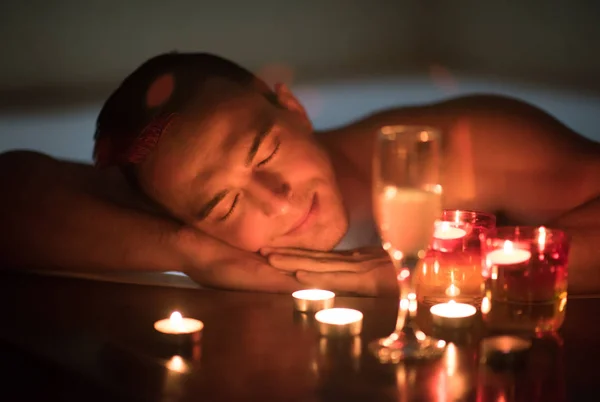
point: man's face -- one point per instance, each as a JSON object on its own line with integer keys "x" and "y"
{"x": 248, "y": 172}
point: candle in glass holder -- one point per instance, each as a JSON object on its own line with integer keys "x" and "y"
{"x": 453, "y": 314}
{"x": 339, "y": 322}
{"x": 447, "y": 231}
{"x": 447, "y": 235}
{"x": 313, "y": 299}
{"x": 525, "y": 273}
{"x": 508, "y": 255}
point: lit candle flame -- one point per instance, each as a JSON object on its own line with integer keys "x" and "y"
{"x": 542, "y": 237}
{"x": 452, "y": 290}
{"x": 508, "y": 247}
{"x": 176, "y": 319}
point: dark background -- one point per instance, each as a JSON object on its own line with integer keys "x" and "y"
{"x": 61, "y": 58}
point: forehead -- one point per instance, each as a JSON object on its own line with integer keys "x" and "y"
{"x": 223, "y": 116}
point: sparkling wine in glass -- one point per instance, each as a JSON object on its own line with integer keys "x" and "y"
{"x": 406, "y": 203}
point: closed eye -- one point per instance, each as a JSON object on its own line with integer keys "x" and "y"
{"x": 270, "y": 157}
{"x": 233, "y": 205}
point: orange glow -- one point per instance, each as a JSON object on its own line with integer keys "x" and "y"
{"x": 452, "y": 290}
{"x": 177, "y": 364}
{"x": 541, "y": 239}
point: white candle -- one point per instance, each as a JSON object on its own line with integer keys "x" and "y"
{"x": 446, "y": 231}
{"x": 453, "y": 309}
{"x": 508, "y": 255}
{"x": 313, "y": 294}
{"x": 313, "y": 299}
{"x": 339, "y": 316}
{"x": 339, "y": 321}
{"x": 177, "y": 324}
{"x": 452, "y": 314}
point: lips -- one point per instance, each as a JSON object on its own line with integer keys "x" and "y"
{"x": 306, "y": 218}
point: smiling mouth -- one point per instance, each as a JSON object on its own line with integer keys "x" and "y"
{"x": 305, "y": 220}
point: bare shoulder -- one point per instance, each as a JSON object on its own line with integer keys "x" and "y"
{"x": 500, "y": 154}
{"x": 483, "y": 110}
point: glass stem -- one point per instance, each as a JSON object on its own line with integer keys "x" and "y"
{"x": 407, "y": 307}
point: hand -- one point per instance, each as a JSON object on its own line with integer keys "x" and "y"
{"x": 213, "y": 263}
{"x": 366, "y": 271}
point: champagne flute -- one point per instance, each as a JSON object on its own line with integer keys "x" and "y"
{"x": 406, "y": 203}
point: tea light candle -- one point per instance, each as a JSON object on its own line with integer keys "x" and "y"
{"x": 508, "y": 255}
{"x": 176, "y": 324}
{"x": 445, "y": 231}
{"x": 313, "y": 299}
{"x": 452, "y": 314}
{"x": 179, "y": 330}
{"x": 339, "y": 322}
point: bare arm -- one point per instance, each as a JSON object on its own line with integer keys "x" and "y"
{"x": 68, "y": 216}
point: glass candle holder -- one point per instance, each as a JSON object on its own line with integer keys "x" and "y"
{"x": 452, "y": 269}
{"x": 525, "y": 273}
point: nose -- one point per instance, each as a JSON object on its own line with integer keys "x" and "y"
{"x": 271, "y": 193}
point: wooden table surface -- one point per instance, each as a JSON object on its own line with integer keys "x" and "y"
{"x": 82, "y": 340}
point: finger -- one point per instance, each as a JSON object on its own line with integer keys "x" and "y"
{"x": 296, "y": 263}
{"x": 252, "y": 276}
{"x": 299, "y": 252}
{"x": 361, "y": 254}
{"x": 337, "y": 282}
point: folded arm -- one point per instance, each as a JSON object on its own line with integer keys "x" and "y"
{"x": 67, "y": 216}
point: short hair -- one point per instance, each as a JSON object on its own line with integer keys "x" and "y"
{"x": 127, "y": 129}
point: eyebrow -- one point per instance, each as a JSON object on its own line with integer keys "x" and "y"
{"x": 258, "y": 139}
{"x": 256, "y": 142}
{"x": 210, "y": 205}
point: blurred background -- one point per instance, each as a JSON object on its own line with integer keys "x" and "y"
{"x": 343, "y": 58}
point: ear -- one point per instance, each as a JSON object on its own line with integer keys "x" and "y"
{"x": 287, "y": 99}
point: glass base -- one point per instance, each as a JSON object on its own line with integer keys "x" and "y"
{"x": 407, "y": 344}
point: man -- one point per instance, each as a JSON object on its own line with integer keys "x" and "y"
{"x": 206, "y": 170}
